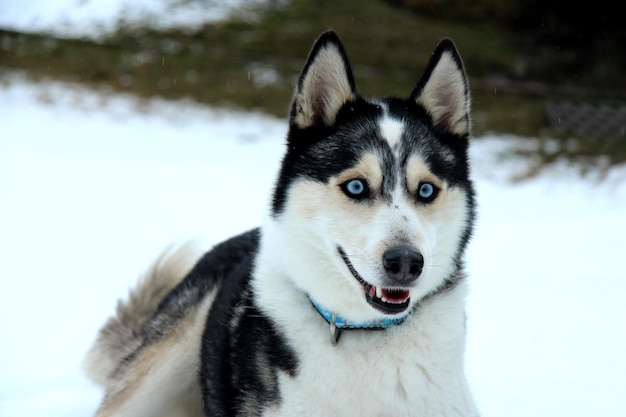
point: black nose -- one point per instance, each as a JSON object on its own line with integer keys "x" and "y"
{"x": 403, "y": 264}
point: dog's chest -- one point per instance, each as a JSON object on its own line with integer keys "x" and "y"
{"x": 357, "y": 378}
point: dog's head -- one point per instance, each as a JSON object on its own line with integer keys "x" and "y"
{"x": 373, "y": 205}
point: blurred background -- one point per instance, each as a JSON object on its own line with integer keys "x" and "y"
{"x": 551, "y": 70}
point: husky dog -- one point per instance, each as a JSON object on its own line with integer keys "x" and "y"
{"x": 349, "y": 300}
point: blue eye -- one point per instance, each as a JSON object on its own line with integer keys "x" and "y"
{"x": 427, "y": 192}
{"x": 356, "y": 188}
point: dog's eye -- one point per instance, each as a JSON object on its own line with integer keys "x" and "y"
{"x": 356, "y": 188}
{"x": 427, "y": 192}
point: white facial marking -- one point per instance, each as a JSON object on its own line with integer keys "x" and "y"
{"x": 391, "y": 130}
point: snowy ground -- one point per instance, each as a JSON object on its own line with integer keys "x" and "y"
{"x": 91, "y": 188}
{"x": 95, "y": 18}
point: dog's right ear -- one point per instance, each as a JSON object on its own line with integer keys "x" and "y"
{"x": 325, "y": 85}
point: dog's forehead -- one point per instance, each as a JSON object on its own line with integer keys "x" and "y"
{"x": 391, "y": 138}
{"x": 391, "y": 130}
{"x": 402, "y": 127}
{"x": 399, "y": 155}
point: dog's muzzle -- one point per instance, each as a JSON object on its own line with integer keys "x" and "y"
{"x": 403, "y": 266}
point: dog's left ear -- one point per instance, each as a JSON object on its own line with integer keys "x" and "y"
{"x": 325, "y": 85}
{"x": 444, "y": 92}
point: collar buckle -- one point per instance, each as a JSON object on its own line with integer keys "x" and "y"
{"x": 335, "y": 333}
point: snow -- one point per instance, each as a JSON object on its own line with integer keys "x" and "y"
{"x": 91, "y": 189}
{"x": 94, "y": 186}
{"x": 97, "y": 18}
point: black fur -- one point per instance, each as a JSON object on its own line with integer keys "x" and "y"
{"x": 210, "y": 271}
{"x": 242, "y": 351}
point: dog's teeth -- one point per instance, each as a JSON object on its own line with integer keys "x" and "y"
{"x": 379, "y": 292}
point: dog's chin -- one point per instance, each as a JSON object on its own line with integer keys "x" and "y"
{"x": 385, "y": 300}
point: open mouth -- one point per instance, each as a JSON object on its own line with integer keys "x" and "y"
{"x": 387, "y": 300}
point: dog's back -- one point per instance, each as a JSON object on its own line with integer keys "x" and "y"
{"x": 147, "y": 357}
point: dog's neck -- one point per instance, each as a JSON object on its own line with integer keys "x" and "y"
{"x": 338, "y": 323}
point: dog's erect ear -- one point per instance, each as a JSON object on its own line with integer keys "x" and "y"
{"x": 326, "y": 84}
{"x": 444, "y": 92}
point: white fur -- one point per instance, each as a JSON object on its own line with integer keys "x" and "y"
{"x": 391, "y": 130}
{"x": 414, "y": 369}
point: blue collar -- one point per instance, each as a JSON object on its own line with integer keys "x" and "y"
{"x": 338, "y": 323}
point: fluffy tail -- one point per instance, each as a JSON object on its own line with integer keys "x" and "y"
{"x": 122, "y": 333}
